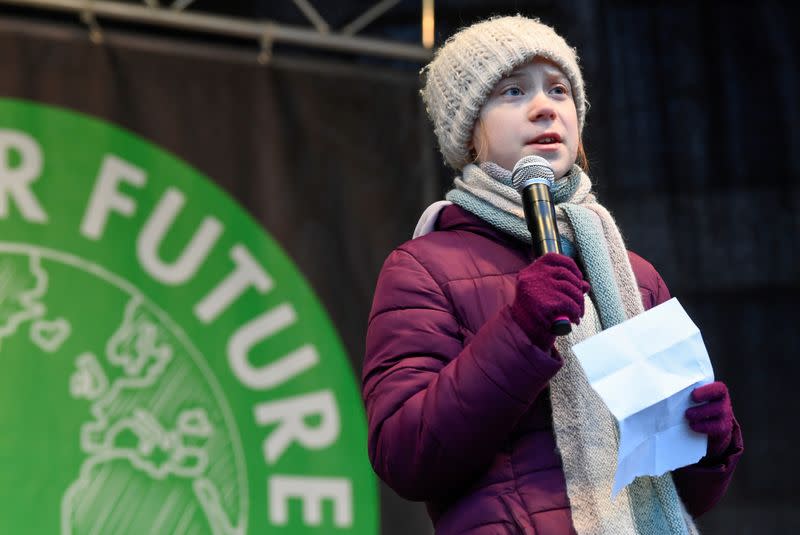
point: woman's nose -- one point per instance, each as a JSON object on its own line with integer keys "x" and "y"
{"x": 541, "y": 108}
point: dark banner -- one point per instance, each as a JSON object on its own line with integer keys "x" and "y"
{"x": 186, "y": 243}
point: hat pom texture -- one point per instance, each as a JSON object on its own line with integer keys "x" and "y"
{"x": 466, "y": 68}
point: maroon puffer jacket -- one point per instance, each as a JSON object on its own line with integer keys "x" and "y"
{"x": 456, "y": 395}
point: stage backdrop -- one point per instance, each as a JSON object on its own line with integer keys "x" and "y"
{"x": 166, "y": 366}
{"x": 130, "y": 267}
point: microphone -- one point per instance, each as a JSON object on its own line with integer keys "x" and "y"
{"x": 533, "y": 177}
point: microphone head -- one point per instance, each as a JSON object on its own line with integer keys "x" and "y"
{"x": 532, "y": 170}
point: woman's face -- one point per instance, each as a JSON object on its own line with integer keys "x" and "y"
{"x": 530, "y": 111}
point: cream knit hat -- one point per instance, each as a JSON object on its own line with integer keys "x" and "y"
{"x": 466, "y": 68}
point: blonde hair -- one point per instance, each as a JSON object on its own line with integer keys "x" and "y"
{"x": 582, "y": 160}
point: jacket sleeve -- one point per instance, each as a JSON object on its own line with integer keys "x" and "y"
{"x": 439, "y": 411}
{"x": 702, "y": 485}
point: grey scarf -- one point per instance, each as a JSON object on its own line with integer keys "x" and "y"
{"x": 586, "y": 432}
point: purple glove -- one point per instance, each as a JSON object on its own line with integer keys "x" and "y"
{"x": 714, "y": 417}
{"x": 551, "y": 287}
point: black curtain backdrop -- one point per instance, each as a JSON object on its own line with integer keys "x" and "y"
{"x": 691, "y": 138}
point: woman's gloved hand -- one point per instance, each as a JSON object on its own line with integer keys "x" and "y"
{"x": 714, "y": 417}
{"x": 549, "y": 288}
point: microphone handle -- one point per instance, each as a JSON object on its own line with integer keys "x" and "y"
{"x": 540, "y": 215}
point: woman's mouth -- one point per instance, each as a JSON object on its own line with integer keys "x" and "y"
{"x": 546, "y": 141}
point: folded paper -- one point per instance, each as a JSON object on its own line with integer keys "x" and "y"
{"x": 645, "y": 369}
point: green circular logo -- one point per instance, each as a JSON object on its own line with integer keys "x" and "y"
{"x": 166, "y": 369}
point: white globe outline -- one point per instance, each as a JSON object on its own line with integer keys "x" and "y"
{"x": 196, "y": 356}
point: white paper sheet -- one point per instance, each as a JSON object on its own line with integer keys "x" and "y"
{"x": 645, "y": 369}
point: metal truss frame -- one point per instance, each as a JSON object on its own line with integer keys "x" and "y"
{"x": 265, "y": 32}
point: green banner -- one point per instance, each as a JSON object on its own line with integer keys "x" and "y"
{"x": 166, "y": 368}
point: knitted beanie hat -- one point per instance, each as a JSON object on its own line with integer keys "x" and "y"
{"x": 466, "y": 68}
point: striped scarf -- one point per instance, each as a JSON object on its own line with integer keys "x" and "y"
{"x": 586, "y": 432}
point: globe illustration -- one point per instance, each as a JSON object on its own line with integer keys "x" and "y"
{"x": 153, "y": 447}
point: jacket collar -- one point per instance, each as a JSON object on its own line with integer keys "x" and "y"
{"x": 453, "y": 217}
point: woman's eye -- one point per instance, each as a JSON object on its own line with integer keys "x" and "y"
{"x": 512, "y": 91}
{"x": 560, "y": 90}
